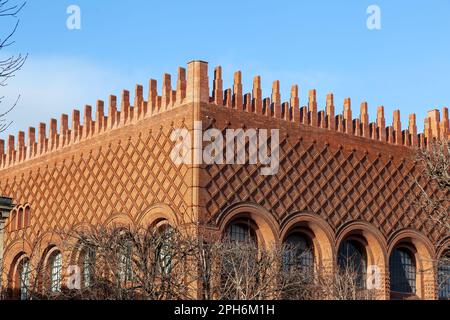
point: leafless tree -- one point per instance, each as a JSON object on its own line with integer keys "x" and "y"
{"x": 9, "y": 65}
{"x": 119, "y": 263}
{"x": 435, "y": 165}
{"x": 127, "y": 263}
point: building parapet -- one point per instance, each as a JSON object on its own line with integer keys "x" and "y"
{"x": 193, "y": 86}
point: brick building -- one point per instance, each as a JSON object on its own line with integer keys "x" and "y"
{"x": 343, "y": 182}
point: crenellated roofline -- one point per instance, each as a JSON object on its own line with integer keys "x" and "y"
{"x": 193, "y": 86}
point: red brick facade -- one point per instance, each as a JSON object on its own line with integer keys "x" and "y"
{"x": 339, "y": 177}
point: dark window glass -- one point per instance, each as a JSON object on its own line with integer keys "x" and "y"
{"x": 352, "y": 259}
{"x": 402, "y": 271}
{"x": 88, "y": 256}
{"x": 444, "y": 278}
{"x": 240, "y": 232}
{"x": 55, "y": 271}
{"x": 166, "y": 249}
{"x": 24, "y": 278}
{"x": 298, "y": 251}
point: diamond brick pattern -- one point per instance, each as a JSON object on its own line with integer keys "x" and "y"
{"x": 338, "y": 184}
{"x": 126, "y": 176}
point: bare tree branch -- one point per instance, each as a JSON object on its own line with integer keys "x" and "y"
{"x": 9, "y": 66}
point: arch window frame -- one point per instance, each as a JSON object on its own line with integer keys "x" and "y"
{"x": 444, "y": 278}
{"x": 354, "y": 245}
{"x": 400, "y": 267}
{"x": 241, "y": 230}
{"x": 55, "y": 268}
{"x": 306, "y": 258}
{"x": 87, "y": 265}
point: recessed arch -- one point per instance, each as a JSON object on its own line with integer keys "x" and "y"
{"x": 424, "y": 257}
{"x": 266, "y": 226}
{"x": 119, "y": 220}
{"x": 155, "y": 214}
{"x": 443, "y": 247}
{"x": 14, "y": 249}
{"x": 52, "y": 267}
{"x": 374, "y": 247}
{"x": 319, "y": 231}
{"x": 443, "y": 271}
{"x": 373, "y": 240}
{"x": 19, "y": 276}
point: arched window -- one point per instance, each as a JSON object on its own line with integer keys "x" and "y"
{"x": 12, "y": 222}
{"x": 352, "y": 261}
{"x": 55, "y": 266}
{"x": 166, "y": 248}
{"x": 87, "y": 265}
{"x": 23, "y": 273}
{"x": 299, "y": 251}
{"x": 27, "y": 217}
{"x": 20, "y": 219}
{"x": 239, "y": 260}
{"x": 402, "y": 269}
{"x": 240, "y": 232}
{"x": 125, "y": 261}
{"x": 444, "y": 277}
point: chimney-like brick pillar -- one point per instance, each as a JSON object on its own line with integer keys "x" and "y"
{"x": 357, "y": 127}
{"x": 138, "y": 101}
{"x": 237, "y": 90}
{"x": 218, "y": 86}
{"x": 364, "y": 117}
{"x": 42, "y": 137}
{"x": 381, "y": 124}
{"x": 348, "y": 119}
{"x": 11, "y": 149}
{"x": 31, "y": 142}
{"x": 390, "y": 134}
{"x": 257, "y": 95}
{"x": 276, "y": 99}
{"x": 321, "y": 118}
{"x": 295, "y": 104}
{"x": 100, "y": 116}
{"x": 397, "y": 125}
{"x": 21, "y": 146}
{"x": 285, "y": 111}
{"x": 87, "y": 121}
{"x": 312, "y": 108}
{"x": 112, "y": 112}
{"x": 75, "y": 126}
{"x": 331, "y": 121}
{"x": 166, "y": 92}
{"x": 181, "y": 85}
{"x": 413, "y": 130}
{"x": 228, "y": 98}
{"x": 2, "y": 151}
{"x": 248, "y": 105}
{"x": 125, "y": 106}
{"x": 53, "y": 134}
{"x": 152, "y": 97}
{"x": 267, "y": 110}
{"x": 197, "y": 82}
{"x": 428, "y": 132}
{"x": 340, "y": 123}
{"x": 445, "y": 124}
{"x": 435, "y": 118}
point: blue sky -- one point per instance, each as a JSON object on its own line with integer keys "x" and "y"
{"x": 321, "y": 44}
